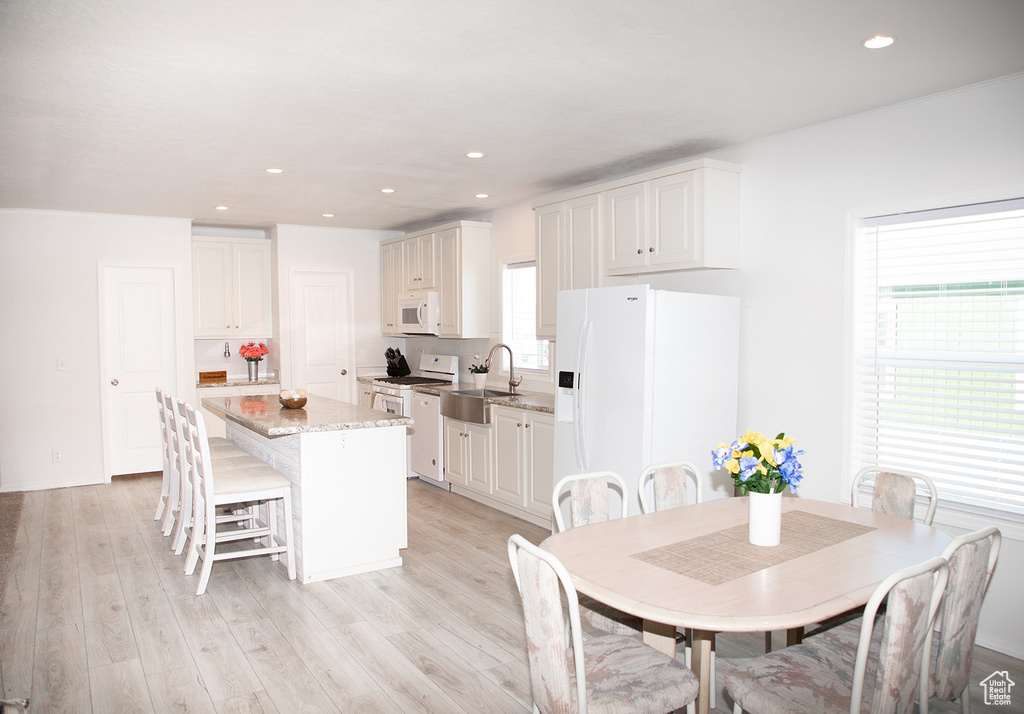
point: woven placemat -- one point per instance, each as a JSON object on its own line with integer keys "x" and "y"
{"x": 719, "y": 557}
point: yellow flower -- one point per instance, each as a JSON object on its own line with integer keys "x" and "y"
{"x": 732, "y": 466}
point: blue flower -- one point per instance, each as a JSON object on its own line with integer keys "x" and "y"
{"x": 720, "y": 455}
{"x": 789, "y": 466}
{"x": 748, "y": 467}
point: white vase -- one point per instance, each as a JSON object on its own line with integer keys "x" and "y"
{"x": 479, "y": 380}
{"x": 765, "y": 514}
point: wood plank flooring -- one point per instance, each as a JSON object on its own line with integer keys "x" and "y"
{"x": 99, "y": 617}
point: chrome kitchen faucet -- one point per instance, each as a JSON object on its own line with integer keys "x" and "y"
{"x": 512, "y": 381}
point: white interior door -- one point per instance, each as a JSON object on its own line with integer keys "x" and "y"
{"x": 139, "y": 354}
{"x": 321, "y": 315}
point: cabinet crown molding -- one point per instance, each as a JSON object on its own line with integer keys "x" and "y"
{"x": 647, "y": 175}
{"x": 437, "y": 229}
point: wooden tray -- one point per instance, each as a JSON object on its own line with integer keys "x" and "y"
{"x": 207, "y": 377}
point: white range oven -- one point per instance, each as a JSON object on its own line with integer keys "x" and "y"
{"x": 396, "y": 396}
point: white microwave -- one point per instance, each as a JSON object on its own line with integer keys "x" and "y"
{"x": 418, "y": 313}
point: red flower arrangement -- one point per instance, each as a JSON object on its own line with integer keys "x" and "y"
{"x": 253, "y": 352}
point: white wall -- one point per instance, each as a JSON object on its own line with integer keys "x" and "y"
{"x": 49, "y": 307}
{"x": 332, "y": 249}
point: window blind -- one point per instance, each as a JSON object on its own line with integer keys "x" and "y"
{"x": 939, "y": 352}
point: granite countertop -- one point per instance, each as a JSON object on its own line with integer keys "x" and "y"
{"x": 530, "y": 401}
{"x": 264, "y": 414}
{"x": 237, "y": 383}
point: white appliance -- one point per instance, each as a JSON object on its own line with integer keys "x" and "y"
{"x": 396, "y": 396}
{"x": 643, "y": 377}
{"x": 419, "y": 313}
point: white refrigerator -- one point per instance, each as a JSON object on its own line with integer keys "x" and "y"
{"x": 643, "y": 377}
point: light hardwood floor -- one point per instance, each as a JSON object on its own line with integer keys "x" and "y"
{"x": 99, "y": 617}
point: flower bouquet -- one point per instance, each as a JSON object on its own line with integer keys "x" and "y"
{"x": 759, "y": 464}
{"x": 253, "y": 352}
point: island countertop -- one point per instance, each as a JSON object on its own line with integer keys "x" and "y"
{"x": 264, "y": 414}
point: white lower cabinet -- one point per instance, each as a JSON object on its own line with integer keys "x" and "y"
{"x": 521, "y": 471}
{"x": 467, "y": 455}
{"x": 214, "y": 421}
{"x": 366, "y": 396}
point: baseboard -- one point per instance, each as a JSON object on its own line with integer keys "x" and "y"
{"x": 1010, "y": 649}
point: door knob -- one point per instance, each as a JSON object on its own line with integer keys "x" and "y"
{"x": 344, "y": 372}
{"x": 114, "y": 382}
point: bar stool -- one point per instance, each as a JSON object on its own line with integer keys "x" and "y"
{"x": 161, "y": 504}
{"x": 230, "y": 486}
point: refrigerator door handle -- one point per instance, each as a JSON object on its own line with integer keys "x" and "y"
{"x": 576, "y": 396}
{"x": 581, "y": 402}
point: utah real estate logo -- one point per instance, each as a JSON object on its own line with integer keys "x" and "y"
{"x": 997, "y": 689}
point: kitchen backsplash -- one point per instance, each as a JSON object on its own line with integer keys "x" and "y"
{"x": 469, "y": 352}
{"x": 210, "y": 358}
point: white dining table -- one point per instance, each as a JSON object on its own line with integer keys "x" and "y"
{"x": 692, "y": 567}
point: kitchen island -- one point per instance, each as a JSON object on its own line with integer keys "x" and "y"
{"x": 347, "y": 465}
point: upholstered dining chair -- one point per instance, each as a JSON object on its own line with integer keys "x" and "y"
{"x": 609, "y": 673}
{"x": 234, "y": 488}
{"x": 670, "y": 486}
{"x": 895, "y": 492}
{"x": 833, "y": 676}
{"x": 589, "y": 503}
{"x": 972, "y": 558}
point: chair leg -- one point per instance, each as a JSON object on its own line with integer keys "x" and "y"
{"x": 737, "y": 709}
{"x": 184, "y": 518}
{"x": 208, "y": 534}
{"x": 193, "y": 548}
{"x": 272, "y": 527}
{"x": 768, "y": 642}
{"x": 161, "y": 503}
{"x": 290, "y": 541}
{"x": 965, "y": 700}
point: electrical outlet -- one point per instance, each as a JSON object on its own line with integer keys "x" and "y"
{"x": 62, "y": 364}
{"x": 57, "y": 456}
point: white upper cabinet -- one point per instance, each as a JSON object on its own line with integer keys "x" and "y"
{"x": 392, "y": 283}
{"x": 680, "y": 221}
{"x": 231, "y": 295}
{"x": 419, "y": 258}
{"x": 568, "y": 254}
{"x": 454, "y": 260}
{"x": 682, "y": 217}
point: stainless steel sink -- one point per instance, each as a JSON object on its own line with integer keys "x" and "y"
{"x": 469, "y": 404}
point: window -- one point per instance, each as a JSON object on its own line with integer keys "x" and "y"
{"x": 519, "y": 318}
{"x": 938, "y": 364}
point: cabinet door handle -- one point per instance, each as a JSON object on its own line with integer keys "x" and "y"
{"x": 344, "y": 372}
{"x": 114, "y": 382}
{"x": 527, "y": 426}
{"x": 519, "y": 423}
{"x": 639, "y": 251}
{"x": 650, "y": 250}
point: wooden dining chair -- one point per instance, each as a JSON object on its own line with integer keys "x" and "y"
{"x": 589, "y": 503}
{"x": 895, "y": 492}
{"x": 603, "y": 674}
{"x": 161, "y": 504}
{"x": 230, "y": 488}
{"x": 972, "y": 558}
{"x": 670, "y": 486}
{"x": 832, "y": 675}
{"x": 224, "y": 455}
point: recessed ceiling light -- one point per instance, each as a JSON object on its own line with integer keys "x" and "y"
{"x": 275, "y": 171}
{"x": 387, "y": 190}
{"x": 221, "y": 208}
{"x": 327, "y": 215}
{"x": 878, "y": 42}
{"x": 481, "y": 195}
{"x": 475, "y": 155}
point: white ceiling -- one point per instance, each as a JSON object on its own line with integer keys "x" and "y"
{"x": 166, "y": 108}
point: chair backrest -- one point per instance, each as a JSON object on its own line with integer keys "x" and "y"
{"x": 972, "y": 558}
{"x": 912, "y": 597}
{"x": 669, "y": 487}
{"x": 174, "y": 447}
{"x": 588, "y": 498}
{"x": 202, "y": 463}
{"x": 541, "y": 578}
{"x": 162, "y": 416}
{"x": 895, "y": 492}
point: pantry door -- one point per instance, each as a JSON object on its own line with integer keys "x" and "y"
{"x": 323, "y": 334}
{"x": 138, "y": 354}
